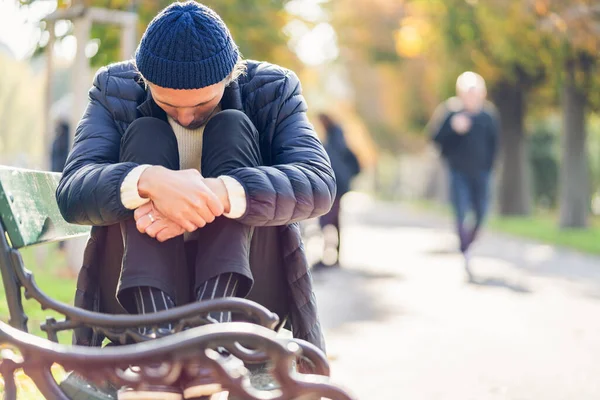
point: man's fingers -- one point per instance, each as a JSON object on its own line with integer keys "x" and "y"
{"x": 213, "y": 203}
{"x": 168, "y": 233}
{"x": 197, "y": 220}
{"x": 143, "y": 223}
{"x": 189, "y": 223}
{"x": 207, "y": 215}
{"x": 156, "y": 227}
{"x": 163, "y": 236}
{"x": 203, "y": 211}
{"x": 142, "y": 210}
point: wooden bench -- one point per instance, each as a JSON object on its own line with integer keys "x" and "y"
{"x": 29, "y": 216}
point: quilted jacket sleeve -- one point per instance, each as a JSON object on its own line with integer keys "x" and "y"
{"x": 300, "y": 184}
{"x": 88, "y": 193}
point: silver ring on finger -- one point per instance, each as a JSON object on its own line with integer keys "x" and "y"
{"x": 151, "y": 217}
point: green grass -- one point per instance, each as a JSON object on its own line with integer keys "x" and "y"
{"x": 48, "y": 265}
{"x": 545, "y": 229}
{"x": 542, "y": 226}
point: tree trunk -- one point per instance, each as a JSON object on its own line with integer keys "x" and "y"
{"x": 80, "y": 83}
{"x": 48, "y": 125}
{"x": 574, "y": 178}
{"x": 514, "y": 196}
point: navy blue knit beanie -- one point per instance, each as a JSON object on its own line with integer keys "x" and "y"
{"x": 186, "y": 46}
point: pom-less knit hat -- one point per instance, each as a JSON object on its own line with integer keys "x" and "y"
{"x": 186, "y": 46}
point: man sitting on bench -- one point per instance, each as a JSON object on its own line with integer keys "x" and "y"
{"x": 186, "y": 151}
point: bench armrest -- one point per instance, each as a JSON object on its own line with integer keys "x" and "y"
{"x": 174, "y": 352}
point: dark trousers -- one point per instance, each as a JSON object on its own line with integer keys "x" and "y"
{"x": 177, "y": 268}
{"x": 469, "y": 192}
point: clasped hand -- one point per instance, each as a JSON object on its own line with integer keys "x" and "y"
{"x": 180, "y": 201}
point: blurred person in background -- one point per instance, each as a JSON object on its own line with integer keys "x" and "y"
{"x": 466, "y": 129}
{"x": 193, "y": 167}
{"x": 60, "y": 151}
{"x": 345, "y": 167}
{"x": 60, "y": 146}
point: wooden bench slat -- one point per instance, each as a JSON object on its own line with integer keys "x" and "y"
{"x": 28, "y": 208}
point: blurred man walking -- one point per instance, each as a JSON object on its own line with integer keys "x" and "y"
{"x": 466, "y": 130}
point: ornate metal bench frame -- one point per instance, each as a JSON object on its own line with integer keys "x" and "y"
{"x": 160, "y": 360}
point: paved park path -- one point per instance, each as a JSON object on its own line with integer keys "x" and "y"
{"x": 402, "y": 322}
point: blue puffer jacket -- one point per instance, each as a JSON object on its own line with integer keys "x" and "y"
{"x": 296, "y": 183}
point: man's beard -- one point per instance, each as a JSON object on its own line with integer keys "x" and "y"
{"x": 195, "y": 124}
{"x": 199, "y": 123}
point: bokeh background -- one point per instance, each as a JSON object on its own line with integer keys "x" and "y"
{"x": 527, "y": 328}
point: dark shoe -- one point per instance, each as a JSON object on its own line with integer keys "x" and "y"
{"x": 319, "y": 266}
{"x": 203, "y": 380}
{"x": 150, "y": 392}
